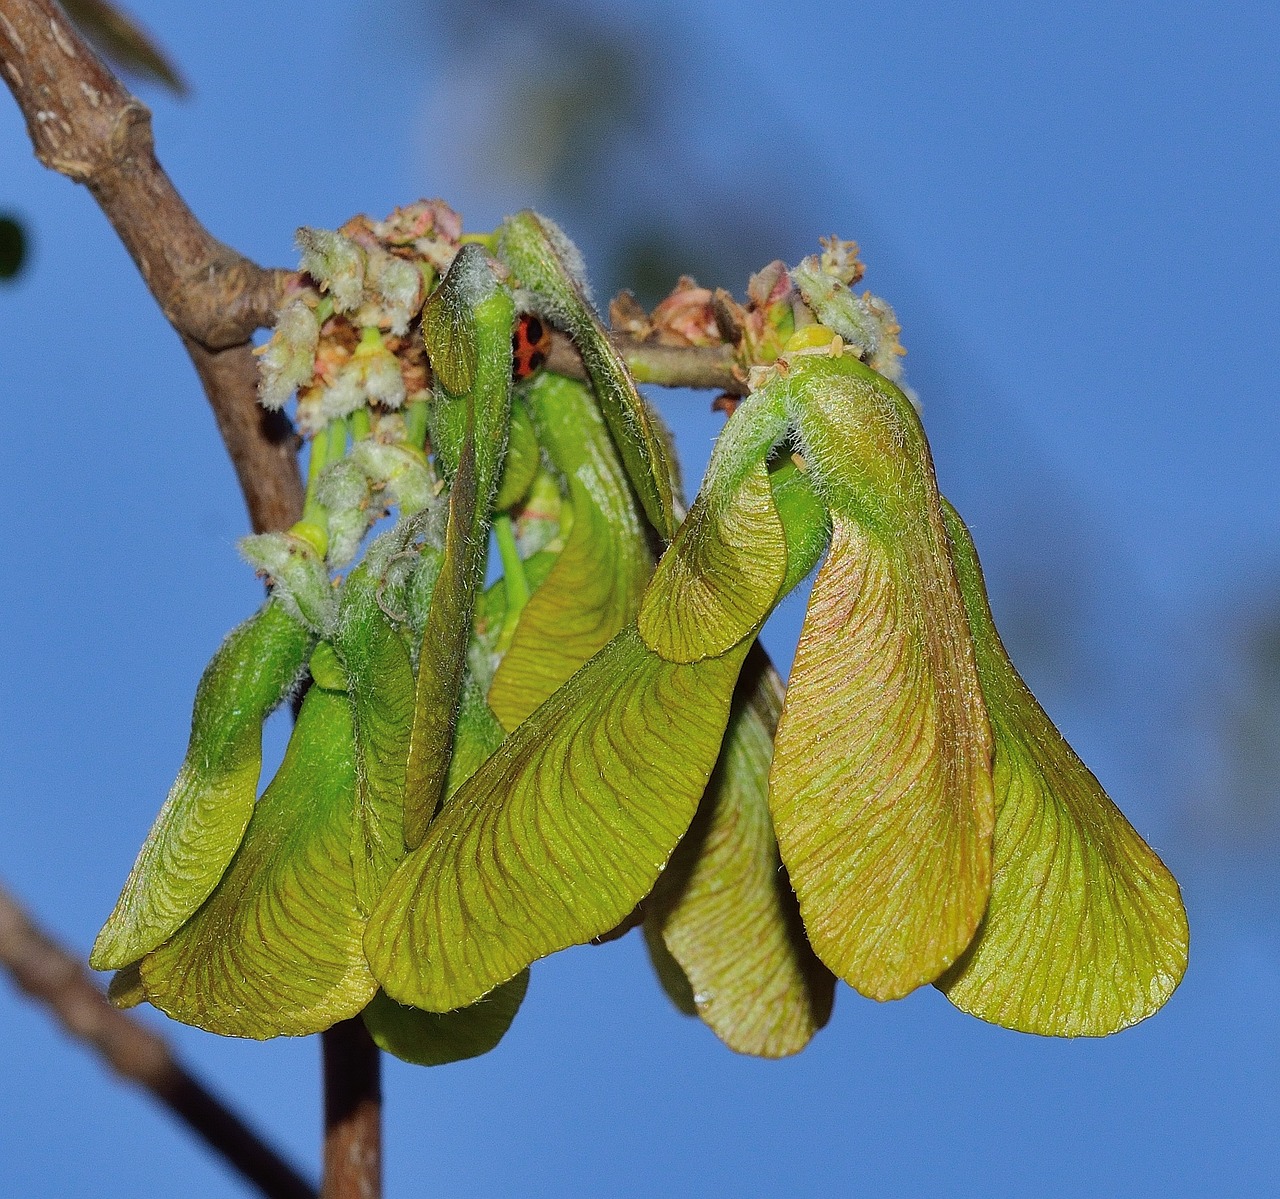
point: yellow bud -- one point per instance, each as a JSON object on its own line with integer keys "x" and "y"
{"x": 808, "y": 337}
{"x": 312, "y": 533}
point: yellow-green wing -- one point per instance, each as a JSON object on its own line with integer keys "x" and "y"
{"x": 1085, "y": 933}
{"x": 594, "y": 588}
{"x": 724, "y": 908}
{"x": 276, "y": 948}
{"x": 561, "y": 832}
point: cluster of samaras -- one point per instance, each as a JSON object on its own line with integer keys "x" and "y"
{"x": 480, "y": 776}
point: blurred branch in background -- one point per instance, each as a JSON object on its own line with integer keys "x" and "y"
{"x": 56, "y": 979}
{"x": 1234, "y": 809}
{"x": 117, "y": 37}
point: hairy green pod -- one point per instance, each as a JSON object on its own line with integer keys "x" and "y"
{"x": 205, "y": 815}
{"x": 548, "y": 265}
{"x": 469, "y": 341}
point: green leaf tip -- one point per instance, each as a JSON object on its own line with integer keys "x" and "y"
{"x": 723, "y": 910}
{"x": 559, "y": 834}
{"x": 438, "y": 1038}
{"x": 548, "y": 268}
{"x": 1085, "y": 933}
{"x": 276, "y": 948}
{"x": 208, "y": 808}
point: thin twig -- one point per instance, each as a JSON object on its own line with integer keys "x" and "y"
{"x": 708, "y": 368}
{"x": 50, "y": 974}
{"x": 86, "y": 125}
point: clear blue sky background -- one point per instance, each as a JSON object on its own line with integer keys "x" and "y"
{"x": 1073, "y": 208}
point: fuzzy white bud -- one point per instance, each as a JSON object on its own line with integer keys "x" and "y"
{"x": 288, "y": 360}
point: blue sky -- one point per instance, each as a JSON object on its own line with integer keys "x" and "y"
{"x": 1073, "y": 209}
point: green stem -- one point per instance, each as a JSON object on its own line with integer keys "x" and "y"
{"x": 415, "y": 424}
{"x": 515, "y": 581}
{"x": 361, "y": 423}
{"x": 327, "y": 446}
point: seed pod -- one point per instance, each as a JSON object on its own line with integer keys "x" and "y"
{"x": 548, "y": 264}
{"x": 205, "y": 816}
{"x": 467, "y": 323}
{"x": 594, "y": 587}
{"x": 276, "y": 949}
{"x": 880, "y": 786}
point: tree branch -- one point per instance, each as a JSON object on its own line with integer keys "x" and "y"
{"x": 85, "y": 125}
{"x": 262, "y": 445}
{"x": 48, "y": 973}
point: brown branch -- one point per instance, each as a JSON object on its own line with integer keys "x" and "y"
{"x": 85, "y": 125}
{"x": 262, "y": 445}
{"x": 352, "y": 1113}
{"x": 48, "y": 973}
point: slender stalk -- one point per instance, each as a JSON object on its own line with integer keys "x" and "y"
{"x": 352, "y": 1113}
{"x": 515, "y": 581}
{"x": 415, "y": 424}
{"x": 361, "y": 424}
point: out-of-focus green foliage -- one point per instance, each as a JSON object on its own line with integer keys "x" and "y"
{"x": 124, "y": 43}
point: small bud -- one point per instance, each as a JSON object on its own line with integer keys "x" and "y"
{"x": 398, "y": 286}
{"x": 888, "y": 356}
{"x": 840, "y": 259}
{"x": 402, "y": 472}
{"x": 370, "y": 376}
{"x": 343, "y": 491}
{"x": 288, "y": 360}
{"x": 837, "y": 307}
{"x": 299, "y": 576}
{"x": 335, "y": 262}
{"x": 687, "y": 316}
